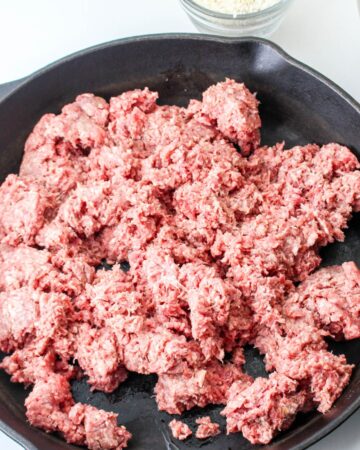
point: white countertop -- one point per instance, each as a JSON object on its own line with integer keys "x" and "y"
{"x": 324, "y": 34}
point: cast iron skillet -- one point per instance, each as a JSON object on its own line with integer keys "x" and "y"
{"x": 297, "y": 105}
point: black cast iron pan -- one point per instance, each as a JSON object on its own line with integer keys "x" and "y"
{"x": 297, "y": 105}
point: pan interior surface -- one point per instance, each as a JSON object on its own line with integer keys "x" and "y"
{"x": 296, "y": 106}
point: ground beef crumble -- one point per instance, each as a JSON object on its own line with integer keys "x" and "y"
{"x": 218, "y": 232}
{"x": 264, "y": 408}
{"x": 206, "y": 428}
{"x": 179, "y": 430}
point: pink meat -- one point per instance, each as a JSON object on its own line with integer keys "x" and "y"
{"x": 209, "y": 298}
{"x": 55, "y": 165}
{"x": 215, "y": 242}
{"x": 206, "y": 428}
{"x": 179, "y": 430}
{"x": 143, "y": 346}
{"x": 161, "y": 274}
{"x": 215, "y": 161}
{"x": 46, "y": 317}
{"x": 25, "y": 204}
{"x": 112, "y": 163}
{"x": 326, "y": 384}
{"x": 128, "y": 116}
{"x": 234, "y": 110}
{"x": 293, "y": 169}
{"x": 137, "y": 228}
{"x": 104, "y": 372}
{"x": 26, "y": 365}
{"x": 155, "y": 134}
{"x": 138, "y": 225}
{"x": 304, "y": 358}
{"x": 206, "y": 385}
{"x": 111, "y": 294}
{"x": 56, "y": 150}
{"x": 17, "y": 318}
{"x": 173, "y": 240}
{"x": 39, "y": 269}
{"x": 264, "y": 408}
{"x": 85, "y": 212}
{"x": 60, "y": 238}
{"x": 216, "y": 307}
{"x": 238, "y": 356}
{"x": 99, "y": 428}
{"x": 329, "y": 298}
{"x": 75, "y": 270}
{"x": 169, "y": 128}
{"x": 54, "y": 322}
{"x": 127, "y": 216}
{"x": 94, "y": 107}
{"x": 202, "y": 216}
{"x": 155, "y": 350}
{"x": 23, "y": 266}
{"x": 80, "y": 124}
{"x": 264, "y": 295}
{"x": 91, "y": 207}
{"x": 50, "y": 406}
{"x": 297, "y": 216}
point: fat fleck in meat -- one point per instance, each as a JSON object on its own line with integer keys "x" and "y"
{"x": 218, "y": 232}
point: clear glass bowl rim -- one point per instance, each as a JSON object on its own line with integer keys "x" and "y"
{"x": 208, "y": 12}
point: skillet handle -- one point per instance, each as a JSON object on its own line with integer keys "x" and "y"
{"x": 5, "y": 88}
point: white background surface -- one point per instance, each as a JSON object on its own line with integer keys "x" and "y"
{"x": 325, "y": 34}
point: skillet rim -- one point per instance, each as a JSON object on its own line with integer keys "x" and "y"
{"x": 19, "y": 84}
{"x": 191, "y": 36}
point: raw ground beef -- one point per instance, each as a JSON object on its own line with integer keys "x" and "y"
{"x": 264, "y": 408}
{"x": 207, "y": 385}
{"x": 179, "y": 430}
{"x": 50, "y": 406}
{"x": 329, "y": 299}
{"x": 98, "y": 428}
{"x": 25, "y": 203}
{"x": 234, "y": 111}
{"x": 206, "y": 428}
{"x": 24, "y": 266}
{"x": 217, "y": 230}
{"x": 304, "y": 358}
{"x": 106, "y": 373}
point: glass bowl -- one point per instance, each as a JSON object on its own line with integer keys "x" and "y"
{"x": 261, "y": 23}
